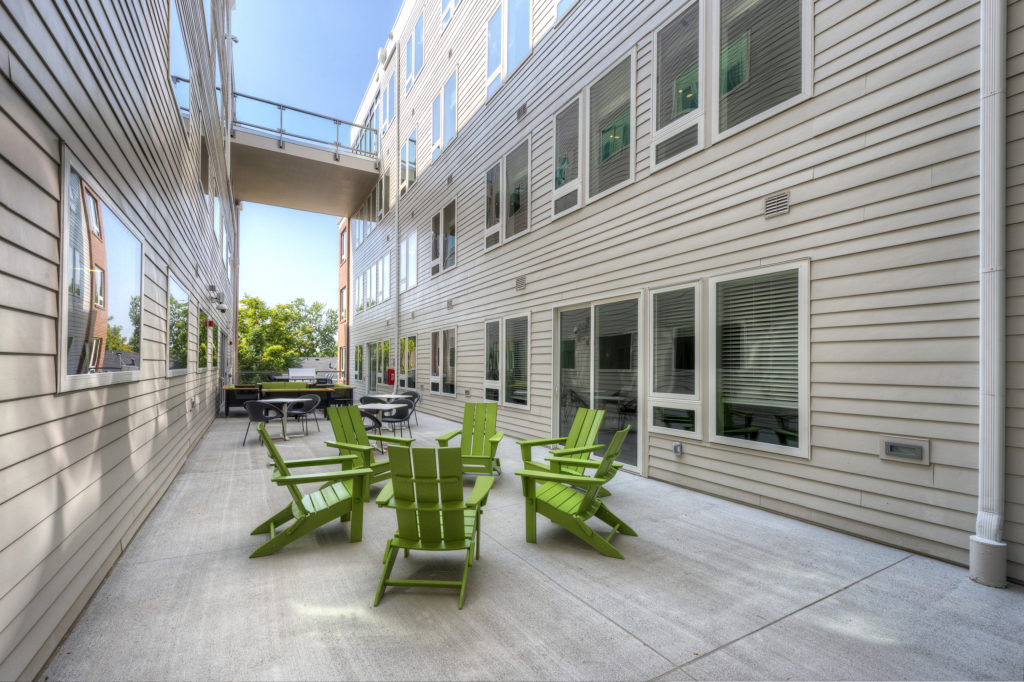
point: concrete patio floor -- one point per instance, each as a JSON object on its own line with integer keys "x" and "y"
{"x": 709, "y": 590}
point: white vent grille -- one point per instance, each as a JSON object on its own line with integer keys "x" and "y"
{"x": 451, "y": 179}
{"x": 521, "y": 113}
{"x": 450, "y": 304}
{"x": 520, "y": 282}
{"x": 777, "y": 204}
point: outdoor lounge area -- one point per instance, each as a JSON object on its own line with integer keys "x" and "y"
{"x": 708, "y": 589}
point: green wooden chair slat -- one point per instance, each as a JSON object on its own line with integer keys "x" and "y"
{"x": 347, "y": 424}
{"x": 579, "y": 444}
{"x": 479, "y": 439}
{"x": 427, "y": 495}
{"x": 340, "y": 496}
{"x": 571, "y": 499}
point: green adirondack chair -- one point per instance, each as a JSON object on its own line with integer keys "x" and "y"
{"x": 428, "y": 500}
{"x": 341, "y": 497}
{"x": 350, "y": 437}
{"x": 479, "y": 442}
{"x": 581, "y": 441}
{"x": 554, "y": 494}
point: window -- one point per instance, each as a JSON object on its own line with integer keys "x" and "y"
{"x": 98, "y": 287}
{"x": 383, "y": 194}
{"x": 610, "y": 128}
{"x": 759, "y": 377}
{"x": 510, "y": 207}
{"x": 342, "y": 364}
{"x": 679, "y": 109}
{"x": 442, "y": 362}
{"x": 177, "y": 62}
{"x": 357, "y": 364}
{"x": 447, "y": 9}
{"x": 516, "y": 41}
{"x": 407, "y": 263}
{"x": 567, "y": 158}
{"x": 214, "y": 344}
{"x": 407, "y": 362}
{"x": 102, "y": 317}
{"x": 204, "y": 336}
{"x": 414, "y": 54}
{"x": 389, "y": 101}
{"x": 674, "y": 381}
{"x": 506, "y": 361}
{"x": 444, "y": 125}
{"x": 563, "y": 7}
{"x": 343, "y": 304}
{"x": 408, "y": 170}
{"x": 761, "y": 49}
{"x": 344, "y": 245}
{"x": 442, "y": 243}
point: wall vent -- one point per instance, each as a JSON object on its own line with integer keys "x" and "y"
{"x": 520, "y": 282}
{"x": 451, "y": 178}
{"x": 777, "y": 204}
{"x": 521, "y": 113}
{"x": 450, "y": 304}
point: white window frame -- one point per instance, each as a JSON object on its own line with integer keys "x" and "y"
{"x": 803, "y": 368}
{"x": 408, "y": 267}
{"x": 502, "y": 340}
{"x": 501, "y": 73}
{"x": 438, "y": 108}
{"x": 502, "y": 164}
{"x": 448, "y": 8}
{"x": 695, "y": 117}
{"x": 71, "y": 382}
{"x": 555, "y": 19}
{"x": 343, "y": 304}
{"x": 406, "y": 162}
{"x": 585, "y": 140}
{"x": 440, "y": 260}
{"x": 438, "y": 351}
{"x": 412, "y": 66}
{"x": 675, "y": 400}
{"x": 404, "y": 356}
{"x": 578, "y": 185}
{"x": 806, "y": 73}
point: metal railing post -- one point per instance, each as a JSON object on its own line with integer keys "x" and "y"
{"x": 280, "y": 129}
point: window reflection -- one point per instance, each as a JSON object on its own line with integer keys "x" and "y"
{"x": 177, "y": 326}
{"x": 103, "y": 309}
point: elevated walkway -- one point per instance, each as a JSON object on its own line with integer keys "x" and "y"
{"x": 289, "y": 157}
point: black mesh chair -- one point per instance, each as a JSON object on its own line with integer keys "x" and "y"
{"x": 365, "y": 400}
{"x": 400, "y": 415}
{"x": 260, "y": 412}
{"x": 416, "y": 398}
{"x": 301, "y": 411}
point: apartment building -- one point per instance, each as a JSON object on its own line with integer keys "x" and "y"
{"x": 117, "y": 287}
{"x": 758, "y": 232}
{"x": 344, "y": 279}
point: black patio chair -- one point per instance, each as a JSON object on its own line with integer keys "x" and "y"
{"x": 260, "y": 412}
{"x": 301, "y": 411}
{"x": 400, "y": 415}
{"x": 416, "y": 398}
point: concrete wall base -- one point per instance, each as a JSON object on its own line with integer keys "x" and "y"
{"x": 988, "y": 562}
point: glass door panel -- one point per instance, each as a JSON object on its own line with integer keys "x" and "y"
{"x": 372, "y": 375}
{"x": 574, "y": 365}
{"x": 617, "y": 370}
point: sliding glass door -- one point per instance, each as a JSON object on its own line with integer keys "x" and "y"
{"x": 601, "y": 369}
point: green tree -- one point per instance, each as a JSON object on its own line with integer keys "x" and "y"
{"x": 115, "y": 337}
{"x": 274, "y": 338}
{"x": 135, "y": 318}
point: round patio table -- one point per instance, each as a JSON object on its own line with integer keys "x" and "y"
{"x": 284, "y": 403}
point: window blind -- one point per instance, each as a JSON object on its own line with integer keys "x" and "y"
{"x": 517, "y": 357}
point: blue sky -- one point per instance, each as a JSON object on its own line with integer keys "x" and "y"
{"x": 317, "y": 55}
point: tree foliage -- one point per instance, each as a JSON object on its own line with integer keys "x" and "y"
{"x": 274, "y": 338}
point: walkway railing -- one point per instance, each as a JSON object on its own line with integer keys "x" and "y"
{"x": 258, "y": 376}
{"x": 291, "y": 124}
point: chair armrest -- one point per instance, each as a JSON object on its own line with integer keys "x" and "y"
{"x": 481, "y": 487}
{"x": 496, "y": 438}
{"x": 386, "y": 494}
{"x": 572, "y": 461}
{"x": 321, "y": 461}
{"x": 325, "y": 477}
{"x": 348, "y": 446}
{"x": 526, "y": 445}
{"x": 561, "y": 452}
{"x": 391, "y": 439}
{"x": 443, "y": 440}
{"x": 581, "y": 481}
{"x": 540, "y": 441}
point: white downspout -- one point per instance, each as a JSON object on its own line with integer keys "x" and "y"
{"x": 988, "y": 550}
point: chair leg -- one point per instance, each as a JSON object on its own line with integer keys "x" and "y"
{"x": 246, "y": 432}
{"x": 390, "y": 554}
{"x": 531, "y": 520}
{"x": 614, "y": 521}
{"x": 317, "y": 420}
{"x": 465, "y": 576}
